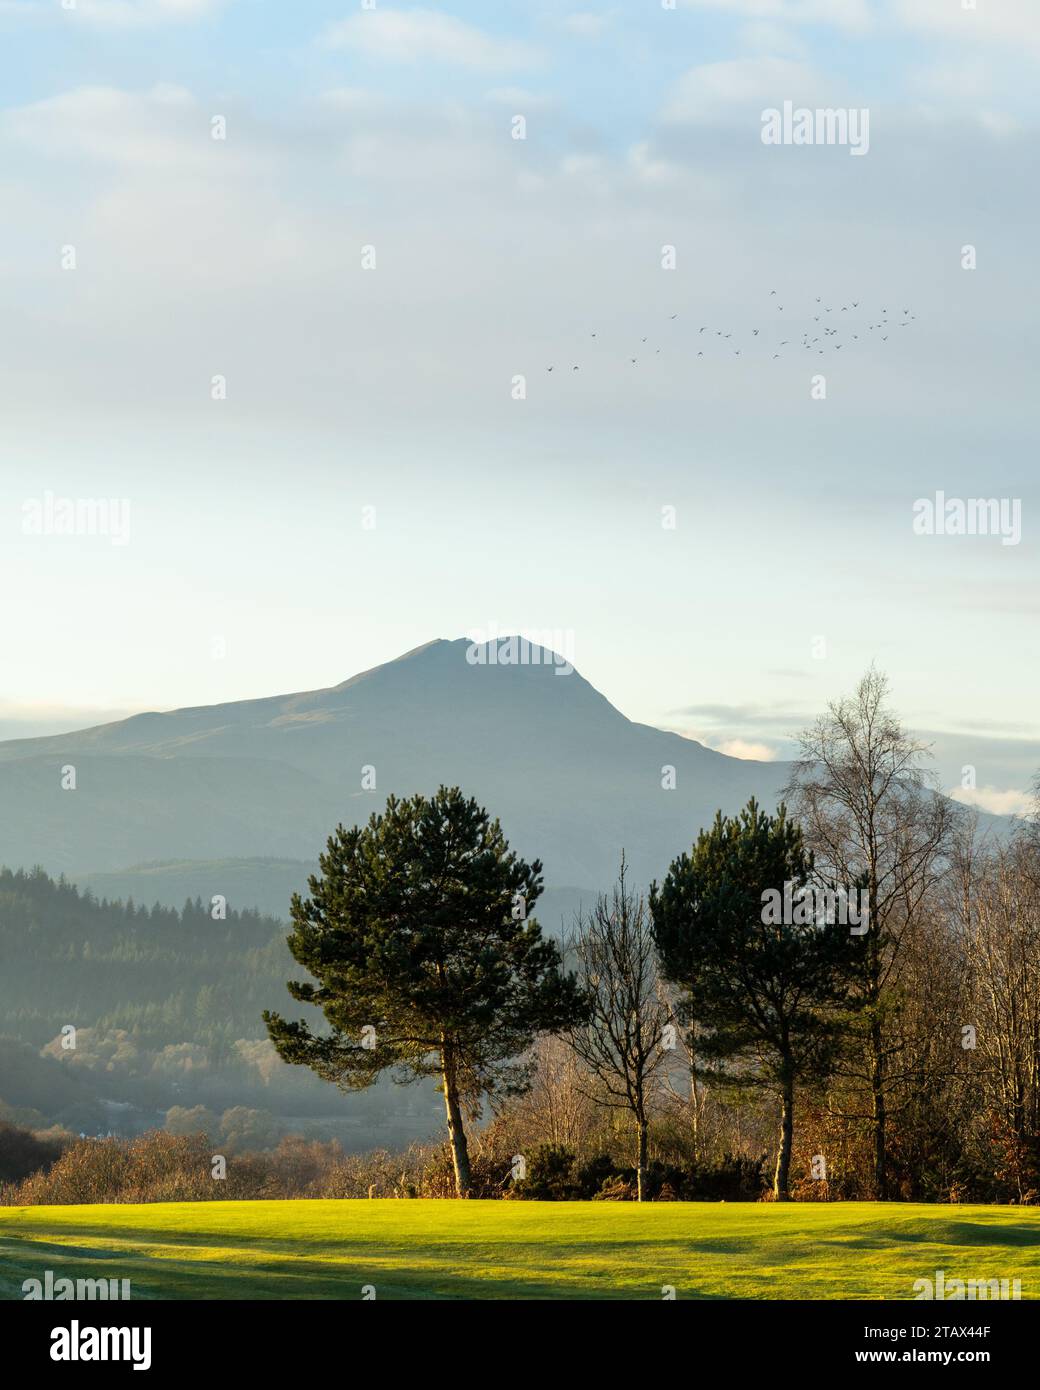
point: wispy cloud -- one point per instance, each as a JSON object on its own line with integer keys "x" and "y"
{"x": 1002, "y": 21}
{"x": 586, "y": 24}
{"x": 521, "y": 99}
{"x": 412, "y": 36}
{"x": 747, "y": 716}
{"x": 992, "y": 799}
{"x": 159, "y": 129}
{"x": 841, "y": 14}
{"x": 714, "y": 91}
{"x": 744, "y": 748}
{"x": 132, "y": 14}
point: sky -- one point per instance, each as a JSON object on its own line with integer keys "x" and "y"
{"x": 280, "y": 288}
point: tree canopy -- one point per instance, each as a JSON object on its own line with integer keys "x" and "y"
{"x": 427, "y": 960}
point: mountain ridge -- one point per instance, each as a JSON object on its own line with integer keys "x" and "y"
{"x": 573, "y": 780}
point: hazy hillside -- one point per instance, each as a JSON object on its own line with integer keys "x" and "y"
{"x": 166, "y": 1006}
{"x": 266, "y": 885}
{"x": 571, "y": 778}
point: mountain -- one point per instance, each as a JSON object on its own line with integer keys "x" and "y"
{"x": 572, "y": 780}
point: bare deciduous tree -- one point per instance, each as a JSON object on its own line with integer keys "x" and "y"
{"x": 874, "y": 821}
{"x": 1003, "y": 949}
{"x": 622, "y": 1044}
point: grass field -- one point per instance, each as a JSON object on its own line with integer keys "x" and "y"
{"x": 529, "y": 1250}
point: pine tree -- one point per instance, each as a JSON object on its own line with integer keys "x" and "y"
{"x": 770, "y": 998}
{"x": 427, "y": 961}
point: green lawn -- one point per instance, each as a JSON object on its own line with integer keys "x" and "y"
{"x": 419, "y": 1249}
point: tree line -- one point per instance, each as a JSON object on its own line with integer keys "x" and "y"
{"x": 860, "y": 963}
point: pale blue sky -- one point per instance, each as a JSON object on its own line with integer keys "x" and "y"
{"x": 391, "y": 388}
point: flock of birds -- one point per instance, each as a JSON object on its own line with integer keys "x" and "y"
{"x": 824, "y": 336}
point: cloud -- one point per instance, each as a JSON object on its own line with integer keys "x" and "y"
{"x": 1001, "y": 21}
{"x": 154, "y": 130}
{"x": 752, "y": 732}
{"x": 586, "y": 24}
{"x": 842, "y": 14}
{"x": 427, "y": 36}
{"x": 650, "y": 167}
{"x": 129, "y": 14}
{"x": 746, "y": 716}
{"x": 37, "y": 719}
{"x": 21, "y": 9}
{"x": 992, "y": 799}
{"x": 972, "y": 86}
{"x": 715, "y": 91}
{"x": 764, "y": 36}
{"x": 520, "y": 99}
{"x": 349, "y": 98}
{"x": 743, "y": 748}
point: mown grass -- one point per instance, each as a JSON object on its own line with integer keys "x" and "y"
{"x": 518, "y": 1250}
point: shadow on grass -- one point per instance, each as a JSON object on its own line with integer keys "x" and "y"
{"x": 957, "y": 1233}
{"x": 311, "y": 1277}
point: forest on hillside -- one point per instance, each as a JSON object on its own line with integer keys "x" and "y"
{"x": 166, "y": 1010}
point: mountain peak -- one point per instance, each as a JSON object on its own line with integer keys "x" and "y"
{"x": 508, "y": 719}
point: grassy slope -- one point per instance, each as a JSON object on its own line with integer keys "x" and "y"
{"x": 518, "y": 1249}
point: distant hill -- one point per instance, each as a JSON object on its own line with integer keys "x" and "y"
{"x": 266, "y": 885}
{"x": 572, "y": 780}
{"x": 166, "y": 1006}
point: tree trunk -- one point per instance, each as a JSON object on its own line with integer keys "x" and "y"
{"x": 695, "y": 1112}
{"x": 641, "y": 1159}
{"x": 877, "y": 1044}
{"x": 456, "y": 1130}
{"x": 877, "y": 1091}
{"x": 782, "y": 1177}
